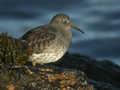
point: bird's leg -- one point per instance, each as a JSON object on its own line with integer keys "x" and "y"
{"x": 34, "y": 64}
{"x": 29, "y": 71}
{"x": 25, "y": 67}
{"x": 45, "y": 68}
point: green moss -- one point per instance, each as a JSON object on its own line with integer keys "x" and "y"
{"x": 13, "y": 51}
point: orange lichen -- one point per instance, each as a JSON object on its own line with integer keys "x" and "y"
{"x": 11, "y": 87}
{"x": 65, "y": 80}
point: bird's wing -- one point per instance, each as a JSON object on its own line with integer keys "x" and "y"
{"x": 40, "y": 38}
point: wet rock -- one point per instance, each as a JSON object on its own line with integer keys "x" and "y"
{"x": 54, "y": 79}
{"x": 13, "y": 51}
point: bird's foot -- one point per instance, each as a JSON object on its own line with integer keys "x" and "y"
{"x": 34, "y": 64}
{"x": 29, "y": 71}
{"x": 46, "y": 69}
{"x": 26, "y": 68}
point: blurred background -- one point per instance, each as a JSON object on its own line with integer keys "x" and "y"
{"x": 100, "y": 20}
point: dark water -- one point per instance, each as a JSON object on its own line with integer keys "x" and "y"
{"x": 100, "y": 19}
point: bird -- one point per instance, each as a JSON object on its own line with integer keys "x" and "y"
{"x": 51, "y": 41}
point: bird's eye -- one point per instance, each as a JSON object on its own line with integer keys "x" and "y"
{"x": 66, "y": 21}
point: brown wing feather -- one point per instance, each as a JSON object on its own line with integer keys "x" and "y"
{"x": 40, "y": 38}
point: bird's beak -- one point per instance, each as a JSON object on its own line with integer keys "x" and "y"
{"x": 72, "y": 26}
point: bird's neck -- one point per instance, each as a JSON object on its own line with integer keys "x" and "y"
{"x": 61, "y": 27}
{"x": 65, "y": 31}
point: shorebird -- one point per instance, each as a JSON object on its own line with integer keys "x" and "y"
{"x": 51, "y": 41}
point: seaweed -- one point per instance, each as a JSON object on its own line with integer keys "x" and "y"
{"x": 13, "y": 51}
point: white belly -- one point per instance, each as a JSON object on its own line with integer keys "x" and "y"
{"x": 47, "y": 57}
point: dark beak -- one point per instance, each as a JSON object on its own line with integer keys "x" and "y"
{"x": 72, "y": 26}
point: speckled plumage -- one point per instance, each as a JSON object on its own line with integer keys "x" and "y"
{"x": 51, "y": 41}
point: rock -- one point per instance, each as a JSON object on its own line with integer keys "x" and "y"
{"x": 48, "y": 78}
{"x": 104, "y": 71}
{"x": 13, "y": 51}
{"x": 98, "y": 85}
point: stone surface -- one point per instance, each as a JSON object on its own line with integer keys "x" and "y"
{"x": 47, "y": 78}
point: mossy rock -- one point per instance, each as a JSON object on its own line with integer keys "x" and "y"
{"x": 13, "y": 51}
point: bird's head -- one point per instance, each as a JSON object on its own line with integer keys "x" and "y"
{"x": 63, "y": 19}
